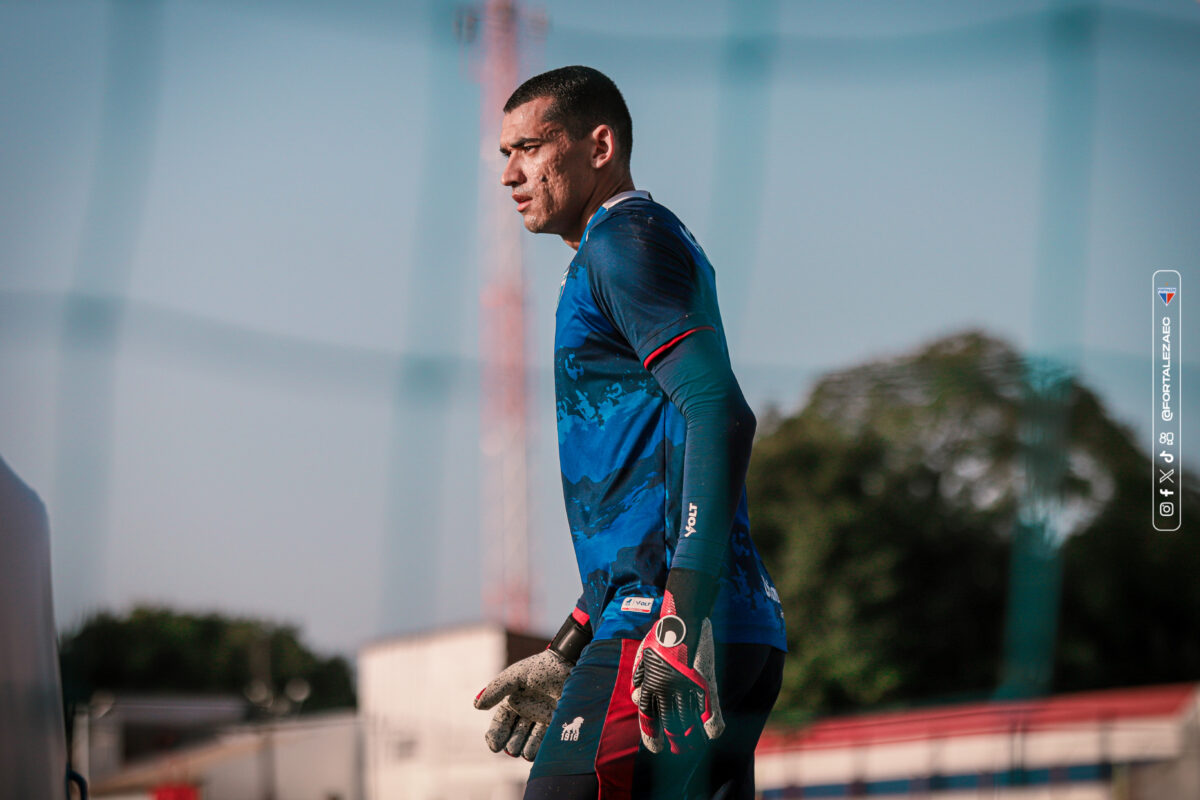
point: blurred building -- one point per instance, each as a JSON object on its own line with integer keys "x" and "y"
{"x": 423, "y": 735}
{"x": 113, "y": 731}
{"x": 1125, "y": 744}
{"x": 313, "y": 757}
{"x": 416, "y": 734}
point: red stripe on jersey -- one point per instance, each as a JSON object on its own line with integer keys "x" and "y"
{"x": 620, "y": 737}
{"x": 672, "y": 343}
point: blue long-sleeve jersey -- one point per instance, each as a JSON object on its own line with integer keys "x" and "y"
{"x": 638, "y": 283}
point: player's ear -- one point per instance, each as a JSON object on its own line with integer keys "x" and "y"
{"x": 604, "y": 142}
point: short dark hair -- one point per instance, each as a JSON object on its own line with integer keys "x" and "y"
{"x": 583, "y": 99}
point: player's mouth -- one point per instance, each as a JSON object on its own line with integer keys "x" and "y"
{"x": 522, "y": 201}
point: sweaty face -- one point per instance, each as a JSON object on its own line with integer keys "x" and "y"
{"x": 550, "y": 175}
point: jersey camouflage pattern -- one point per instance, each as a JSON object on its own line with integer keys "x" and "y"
{"x": 638, "y": 281}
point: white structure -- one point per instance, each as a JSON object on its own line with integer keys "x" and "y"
{"x": 314, "y": 757}
{"x": 114, "y": 730}
{"x": 423, "y": 736}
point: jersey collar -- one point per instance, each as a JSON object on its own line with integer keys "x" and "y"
{"x": 623, "y": 196}
{"x": 600, "y": 212}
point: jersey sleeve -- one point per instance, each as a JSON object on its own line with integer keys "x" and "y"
{"x": 698, "y": 378}
{"x": 646, "y": 282}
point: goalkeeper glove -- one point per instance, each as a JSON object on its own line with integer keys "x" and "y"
{"x": 674, "y": 682}
{"x": 528, "y": 691}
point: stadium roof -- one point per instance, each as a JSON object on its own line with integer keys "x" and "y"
{"x": 993, "y": 717}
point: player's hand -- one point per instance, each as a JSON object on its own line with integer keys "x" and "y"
{"x": 527, "y": 693}
{"x": 675, "y": 691}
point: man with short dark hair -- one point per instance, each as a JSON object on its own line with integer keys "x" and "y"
{"x": 659, "y": 683}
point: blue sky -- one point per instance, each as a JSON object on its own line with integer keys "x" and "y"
{"x": 278, "y": 203}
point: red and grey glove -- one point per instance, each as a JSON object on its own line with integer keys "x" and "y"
{"x": 528, "y": 691}
{"x": 674, "y": 683}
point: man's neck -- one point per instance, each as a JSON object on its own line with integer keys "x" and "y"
{"x": 602, "y": 192}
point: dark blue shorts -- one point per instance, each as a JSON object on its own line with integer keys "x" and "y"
{"x": 593, "y": 746}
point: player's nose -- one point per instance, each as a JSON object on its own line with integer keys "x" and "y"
{"x": 511, "y": 176}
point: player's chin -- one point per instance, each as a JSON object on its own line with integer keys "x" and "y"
{"x": 534, "y": 223}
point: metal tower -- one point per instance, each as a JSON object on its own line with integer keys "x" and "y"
{"x": 504, "y": 516}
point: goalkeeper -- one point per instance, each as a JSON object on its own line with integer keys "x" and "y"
{"x": 659, "y": 683}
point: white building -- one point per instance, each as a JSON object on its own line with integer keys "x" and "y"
{"x": 423, "y": 735}
{"x": 313, "y": 757}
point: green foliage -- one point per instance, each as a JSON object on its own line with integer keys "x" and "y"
{"x": 884, "y": 510}
{"x": 159, "y": 650}
{"x": 1130, "y": 610}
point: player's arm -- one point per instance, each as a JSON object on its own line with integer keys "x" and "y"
{"x": 528, "y": 691}
{"x": 674, "y": 675}
{"x": 655, "y": 291}
{"x": 697, "y": 376}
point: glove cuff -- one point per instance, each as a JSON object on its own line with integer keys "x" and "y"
{"x": 572, "y": 637}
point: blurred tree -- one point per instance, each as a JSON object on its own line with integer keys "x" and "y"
{"x": 885, "y": 508}
{"x": 158, "y": 650}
